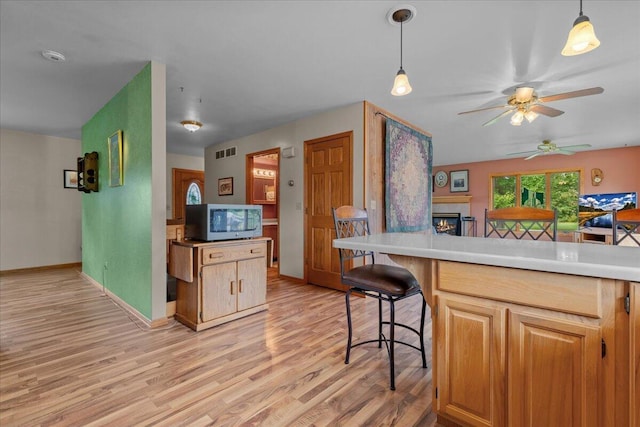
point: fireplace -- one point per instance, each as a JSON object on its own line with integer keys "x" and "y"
{"x": 447, "y": 223}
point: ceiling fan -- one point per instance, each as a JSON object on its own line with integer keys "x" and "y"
{"x": 548, "y": 147}
{"x": 526, "y": 105}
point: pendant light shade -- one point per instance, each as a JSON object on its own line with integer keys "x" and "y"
{"x": 582, "y": 38}
{"x": 401, "y": 84}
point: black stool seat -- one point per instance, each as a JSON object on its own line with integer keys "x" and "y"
{"x": 387, "y": 279}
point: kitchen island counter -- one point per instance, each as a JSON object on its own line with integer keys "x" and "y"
{"x": 525, "y": 331}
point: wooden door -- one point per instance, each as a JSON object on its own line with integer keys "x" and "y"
{"x": 470, "y": 379}
{"x": 252, "y": 283}
{"x": 219, "y": 289}
{"x": 553, "y": 372}
{"x": 328, "y": 183}
{"x": 182, "y": 179}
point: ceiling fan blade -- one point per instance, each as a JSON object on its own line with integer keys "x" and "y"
{"x": 563, "y": 151}
{"x": 522, "y": 153}
{"x": 547, "y": 111}
{"x": 484, "y": 109}
{"x": 574, "y": 94}
{"x": 571, "y": 147}
{"x": 498, "y": 117}
{"x": 534, "y": 155}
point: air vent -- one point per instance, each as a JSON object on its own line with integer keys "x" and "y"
{"x": 220, "y": 154}
{"x": 231, "y": 151}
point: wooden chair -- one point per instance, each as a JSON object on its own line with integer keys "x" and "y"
{"x": 384, "y": 282}
{"x": 521, "y": 223}
{"x": 626, "y": 225}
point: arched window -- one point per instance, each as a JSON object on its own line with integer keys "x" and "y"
{"x": 193, "y": 194}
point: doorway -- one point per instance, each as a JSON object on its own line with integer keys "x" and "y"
{"x": 328, "y": 173}
{"x": 263, "y": 188}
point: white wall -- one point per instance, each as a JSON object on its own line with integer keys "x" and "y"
{"x": 40, "y": 221}
{"x": 179, "y": 161}
{"x": 291, "y": 238}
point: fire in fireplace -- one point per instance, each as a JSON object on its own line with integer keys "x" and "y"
{"x": 447, "y": 223}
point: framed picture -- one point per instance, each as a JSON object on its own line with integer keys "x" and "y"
{"x": 116, "y": 176}
{"x": 70, "y": 179}
{"x": 225, "y": 186}
{"x": 459, "y": 181}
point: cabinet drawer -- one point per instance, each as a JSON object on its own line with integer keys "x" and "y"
{"x": 225, "y": 254}
{"x": 553, "y": 291}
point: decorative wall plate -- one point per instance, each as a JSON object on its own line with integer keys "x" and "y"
{"x": 441, "y": 178}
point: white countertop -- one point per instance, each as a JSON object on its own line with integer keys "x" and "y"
{"x": 582, "y": 259}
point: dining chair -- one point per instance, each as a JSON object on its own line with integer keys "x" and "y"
{"x": 626, "y": 225}
{"x": 521, "y": 223}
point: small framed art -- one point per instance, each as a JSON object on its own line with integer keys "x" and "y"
{"x": 116, "y": 175}
{"x": 225, "y": 186}
{"x": 70, "y": 178}
{"x": 459, "y": 181}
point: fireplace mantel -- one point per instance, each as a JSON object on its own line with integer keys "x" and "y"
{"x": 450, "y": 199}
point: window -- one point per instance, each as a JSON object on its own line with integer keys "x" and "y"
{"x": 193, "y": 194}
{"x": 544, "y": 190}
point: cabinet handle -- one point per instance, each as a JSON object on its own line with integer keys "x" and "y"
{"x": 231, "y": 287}
{"x": 216, "y": 255}
{"x": 256, "y": 251}
{"x": 240, "y": 286}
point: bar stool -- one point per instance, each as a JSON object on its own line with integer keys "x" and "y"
{"x": 383, "y": 282}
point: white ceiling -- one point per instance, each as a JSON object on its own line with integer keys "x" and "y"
{"x": 246, "y": 66}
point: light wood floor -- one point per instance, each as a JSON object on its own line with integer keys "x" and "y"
{"x": 70, "y": 356}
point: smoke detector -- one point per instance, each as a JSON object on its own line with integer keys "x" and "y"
{"x": 53, "y": 56}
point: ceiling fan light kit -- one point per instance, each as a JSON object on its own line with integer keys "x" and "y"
{"x": 401, "y": 84}
{"x": 582, "y": 37}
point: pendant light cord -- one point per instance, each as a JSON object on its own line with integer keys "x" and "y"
{"x": 580, "y": 8}
{"x": 401, "y": 42}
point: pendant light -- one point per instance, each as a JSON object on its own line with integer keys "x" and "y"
{"x": 401, "y": 84}
{"x": 582, "y": 38}
{"x": 191, "y": 125}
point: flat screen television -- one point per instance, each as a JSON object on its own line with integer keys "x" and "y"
{"x": 595, "y": 210}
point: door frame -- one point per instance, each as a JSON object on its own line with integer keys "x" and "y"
{"x": 306, "y": 192}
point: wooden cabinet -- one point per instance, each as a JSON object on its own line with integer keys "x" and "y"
{"x": 220, "y": 281}
{"x": 526, "y": 348}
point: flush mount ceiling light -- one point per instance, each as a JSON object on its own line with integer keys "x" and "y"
{"x": 401, "y": 84}
{"x": 53, "y": 56}
{"x": 582, "y": 38}
{"x": 191, "y": 125}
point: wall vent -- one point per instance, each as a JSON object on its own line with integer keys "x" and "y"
{"x": 231, "y": 151}
{"x": 219, "y": 154}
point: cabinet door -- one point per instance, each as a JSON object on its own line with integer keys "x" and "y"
{"x": 471, "y": 354}
{"x": 218, "y": 290}
{"x": 252, "y": 283}
{"x": 553, "y": 372}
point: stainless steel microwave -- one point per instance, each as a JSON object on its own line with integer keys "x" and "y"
{"x": 211, "y": 222}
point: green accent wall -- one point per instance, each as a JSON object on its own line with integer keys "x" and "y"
{"x": 116, "y": 221}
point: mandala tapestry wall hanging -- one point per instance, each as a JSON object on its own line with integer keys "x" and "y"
{"x": 408, "y": 160}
